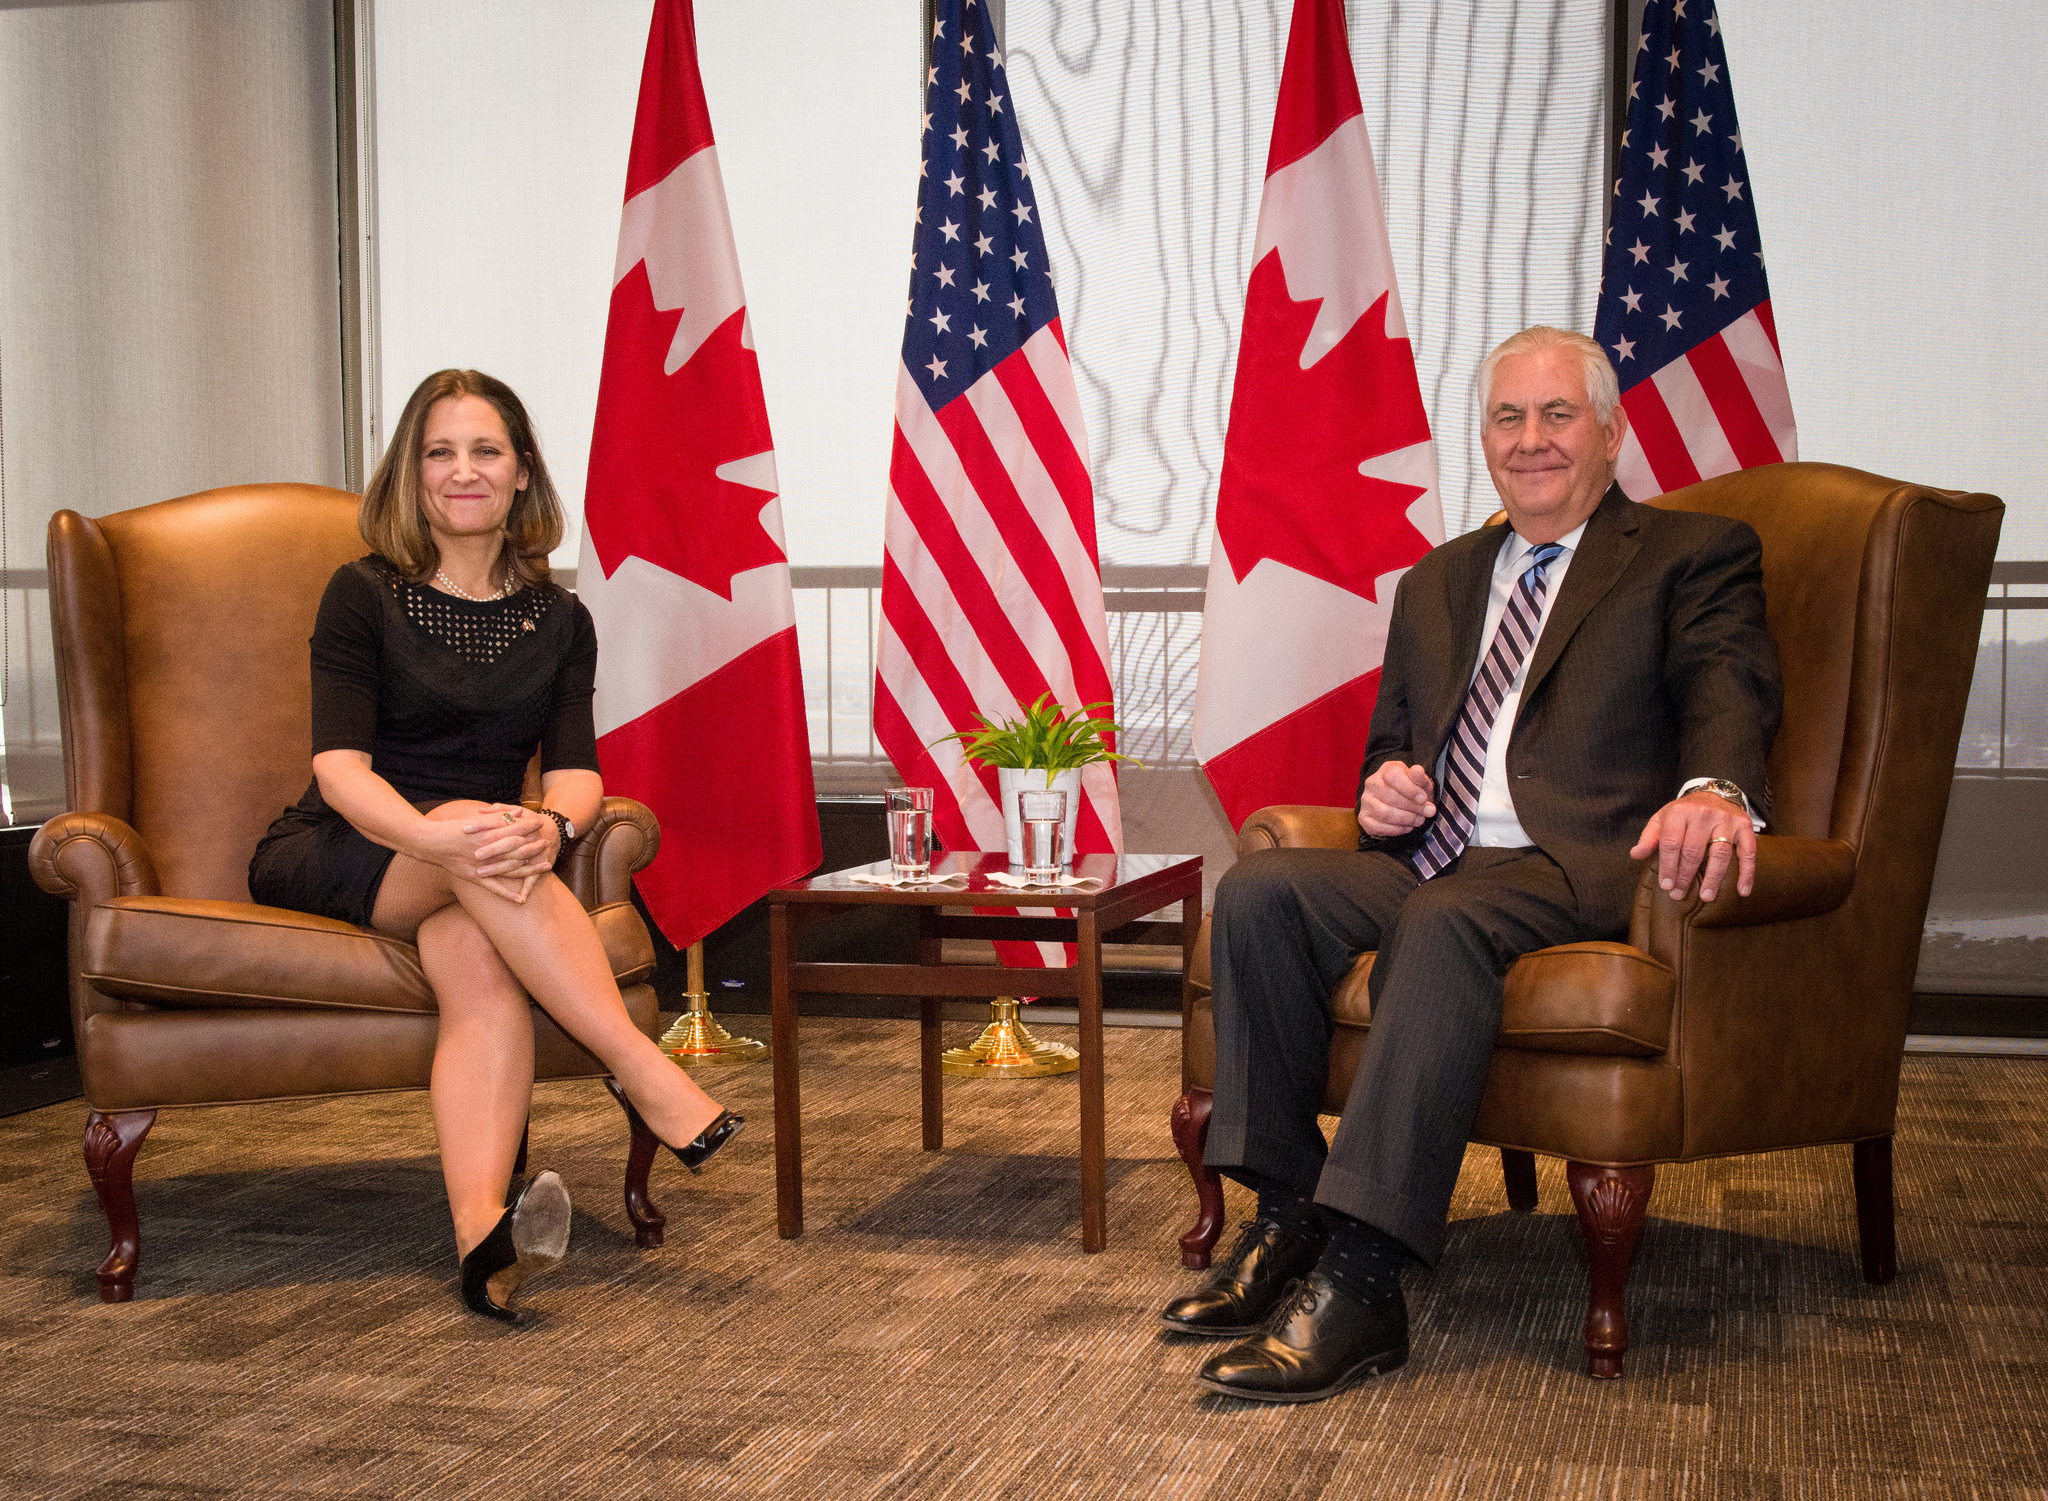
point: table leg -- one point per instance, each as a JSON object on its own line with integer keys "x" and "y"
{"x": 789, "y": 1151}
{"x": 931, "y": 1078}
{"x": 1094, "y": 1171}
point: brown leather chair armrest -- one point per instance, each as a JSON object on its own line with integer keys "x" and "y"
{"x": 1298, "y": 826}
{"x": 623, "y": 838}
{"x": 91, "y": 858}
{"x": 1795, "y": 878}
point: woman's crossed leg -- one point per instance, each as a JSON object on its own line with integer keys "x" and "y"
{"x": 484, "y": 954}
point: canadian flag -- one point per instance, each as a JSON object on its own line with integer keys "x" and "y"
{"x": 700, "y": 710}
{"x": 1328, "y": 491}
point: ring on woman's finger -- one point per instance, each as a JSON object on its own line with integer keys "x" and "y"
{"x": 509, "y": 817}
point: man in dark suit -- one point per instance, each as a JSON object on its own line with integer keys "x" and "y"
{"x": 1584, "y": 688}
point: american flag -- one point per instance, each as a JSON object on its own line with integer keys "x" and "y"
{"x": 1685, "y": 309}
{"x": 991, "y": 594}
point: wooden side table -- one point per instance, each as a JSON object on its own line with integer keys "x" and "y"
{"x": 1132, "y": 886}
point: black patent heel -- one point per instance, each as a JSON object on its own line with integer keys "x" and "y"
{"x": 695, "y": 1154}
{"x": 530, "y": 1238}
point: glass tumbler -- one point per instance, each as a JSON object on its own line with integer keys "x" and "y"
{"x": 910, "y": 831}
{"x": 1044, "y": 817}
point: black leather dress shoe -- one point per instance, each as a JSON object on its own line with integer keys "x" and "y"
{"x": 1249, "y": 1282}
{"x": 1320, "y": 1343}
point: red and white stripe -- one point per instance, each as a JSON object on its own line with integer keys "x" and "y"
{"x": 1721, "y": 406}
{"x": 1291, "y": 646}
{"x": 699, "y": 696}
{"x": 991, "y": 594}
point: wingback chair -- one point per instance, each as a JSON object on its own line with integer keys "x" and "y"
{"x": 181, "y": 632}
{"x": 1745, "y": 1024}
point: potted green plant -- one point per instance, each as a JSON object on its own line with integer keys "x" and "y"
{"x": 1048, "y": 742}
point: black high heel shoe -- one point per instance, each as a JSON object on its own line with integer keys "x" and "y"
{"x": 693, "y": 1155}
{"x": 530, "y": 1238}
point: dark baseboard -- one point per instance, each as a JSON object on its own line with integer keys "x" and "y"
{"x": 1978, "y": 1015}
{"x": 1122, "y": 990}
{"x": 30, "y": 1086}
{"x": 35, "y": 1005}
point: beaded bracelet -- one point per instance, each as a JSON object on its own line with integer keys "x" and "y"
{"x": 567, "y": 829}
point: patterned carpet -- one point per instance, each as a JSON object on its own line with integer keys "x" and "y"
{"x": 938, "y": 1333}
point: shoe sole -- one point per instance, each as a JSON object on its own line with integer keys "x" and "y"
{"x": 1212, "y": 1331}
{"x": 540, "y": 1230}
{"x": 1373, "y": 1365}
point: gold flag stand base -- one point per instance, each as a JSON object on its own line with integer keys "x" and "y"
{"x": 1007, "y": 1050}
{"x": 697, "y": 1040}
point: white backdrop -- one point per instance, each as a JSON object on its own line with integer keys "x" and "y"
{"x": 1893, "y": 194}
{"x": 498, "y": 198}
{"x": 1147, "y": 127}
{"x": 502, "y": 133}
{"x": 1896, "y": 153}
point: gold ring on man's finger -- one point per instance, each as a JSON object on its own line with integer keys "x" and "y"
{"x": 1720, "y": 839}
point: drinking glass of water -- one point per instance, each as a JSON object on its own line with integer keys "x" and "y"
{"x": 1044, "y": 817}
{"x": 910, "y": 832}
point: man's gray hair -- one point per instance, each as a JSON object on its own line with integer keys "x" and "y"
{"x": 1602, "y": 389}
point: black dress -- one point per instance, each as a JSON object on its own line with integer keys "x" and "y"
{"x": 448, "y": 696}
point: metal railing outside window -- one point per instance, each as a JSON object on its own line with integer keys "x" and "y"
{"x": 1155, "y": 638}
{"x": 1155, "y": 641}
{"x": 2005, "y": 728}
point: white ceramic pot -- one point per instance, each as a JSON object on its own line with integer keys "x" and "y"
{"x": 1013, "y": 780}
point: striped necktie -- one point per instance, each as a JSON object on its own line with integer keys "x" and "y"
{"x": 1457, "y": 800}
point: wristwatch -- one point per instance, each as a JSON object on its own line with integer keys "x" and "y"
{"x": 568, "y": 829}
{"x": 1723, "y": 789}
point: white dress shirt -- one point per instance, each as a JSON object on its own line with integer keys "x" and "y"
{"x": 1494, "y": 821}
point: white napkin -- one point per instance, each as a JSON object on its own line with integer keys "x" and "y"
{"x": 1078, "y": 883}
{"x": 958, "y": 877}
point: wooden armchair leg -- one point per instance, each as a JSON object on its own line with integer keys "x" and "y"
{"x": 1519, "y": 1169}
{"x": 1190, "y": 1136}
{"x": 648, "y": 1222}
{"x": 1611, "y": 1202}
{"x": 1875, "y": 1225}
{"x": 111, "y": 1142}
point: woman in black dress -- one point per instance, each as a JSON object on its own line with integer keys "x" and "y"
{"x": 439, "y": 662}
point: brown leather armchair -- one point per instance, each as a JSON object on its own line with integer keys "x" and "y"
{"x": 1748, "y": 1024}
{"x": 181, "y": 633}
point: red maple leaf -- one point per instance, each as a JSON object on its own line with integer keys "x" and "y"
{"x": 659, "y": 439}
{"x": 1291, "y": 490}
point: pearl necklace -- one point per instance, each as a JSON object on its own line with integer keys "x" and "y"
{"x": 449, "y": 584}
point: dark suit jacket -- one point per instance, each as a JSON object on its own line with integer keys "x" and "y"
{"x": 1654, "y": 667}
